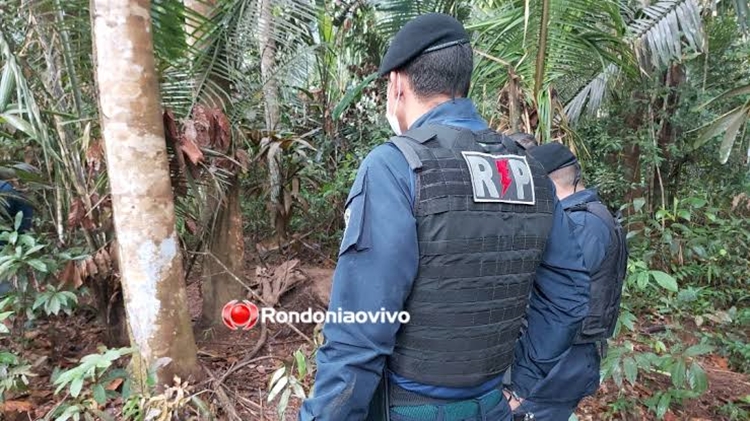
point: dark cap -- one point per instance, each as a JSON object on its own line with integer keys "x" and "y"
{"x": 423, "y": 34}
{"x": 553, "y": 156}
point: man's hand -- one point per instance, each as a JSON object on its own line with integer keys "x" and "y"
{"x": 513, "y": 400}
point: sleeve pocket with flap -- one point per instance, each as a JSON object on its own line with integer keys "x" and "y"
{"x": 356, "y": 234}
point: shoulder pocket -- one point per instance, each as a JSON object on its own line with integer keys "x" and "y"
{"x": 356, "y": 231}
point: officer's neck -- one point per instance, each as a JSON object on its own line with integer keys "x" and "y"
{"x": 563, "y": 191}
{"x": 420, "y": 107}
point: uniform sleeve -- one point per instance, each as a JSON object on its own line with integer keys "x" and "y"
{"x": 593, "y": 237}
{"x": 377, "y": 264}
{"x": 557, "y": 306}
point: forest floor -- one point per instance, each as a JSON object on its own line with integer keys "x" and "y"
{"x": 62, "y": 341}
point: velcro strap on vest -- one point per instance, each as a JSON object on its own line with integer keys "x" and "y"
{"x": 427, "y": 318}
{"x": 491, "y": 340}
{"x": 449, "y": 371}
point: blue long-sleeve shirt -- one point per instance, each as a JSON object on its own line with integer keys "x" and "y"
{"x": 13, "y": 204}
{"x": 378, "y": 261}
{"x": 591, "y": 232}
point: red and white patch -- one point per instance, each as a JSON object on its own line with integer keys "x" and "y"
{"x": 500, "y": 178}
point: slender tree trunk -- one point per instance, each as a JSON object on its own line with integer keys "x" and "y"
{"x": 227, "y": 250}
{"x": 271, "y": 93}
{"x": 225, "y": 245}
{"x": 674, "y": 77}
{"x": 142, "y": 202}
{"x": 542, "y": 52}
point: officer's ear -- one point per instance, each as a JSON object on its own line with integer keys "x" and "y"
{"x": 396, "y": 80}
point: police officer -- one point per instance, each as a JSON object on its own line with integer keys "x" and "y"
{"x": 576, "y": 374}
{"x": 11, "y": 203}
{"x": 454, "y": 224}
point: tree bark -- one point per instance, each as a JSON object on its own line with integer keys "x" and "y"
{"x": 227, "y": 245}
{"x": 667, "y": 134}
{"x": 142, "y": 201}
{"x": 271, "y": 92}
{"x": 223, "y": 215}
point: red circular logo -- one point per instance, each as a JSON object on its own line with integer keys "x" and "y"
{"x": 238, "y": 315}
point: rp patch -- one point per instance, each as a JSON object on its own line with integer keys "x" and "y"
{"x": 500, "y": 178}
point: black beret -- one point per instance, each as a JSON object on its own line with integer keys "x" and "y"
{"x": 425, "y": 33}
{"x": 553, "y": 156}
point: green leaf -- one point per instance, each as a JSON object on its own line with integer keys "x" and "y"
{"x": 284, "y": 402}
{"x": 126, "y": 389}
{"x": 37, "y": 264}
{"x": 697, "y": 378}
{"x": 8, "y": 359}
{"x": 351, "y": 95}
{"x": 277, "y": 388}
{"x": 70, "y": 412}
{"x": 678, "y": 372}
{"x": 7, "y": 81}
{"x": 17, "y": 225}
{"x": 75, "y": 387}
{"x": 631, "y": 369}
{"x": 731, "y": 134}
{"x": 638, "y": 203}
{"x": 276, "y": 376}
{"x": 719, "y": 126}
{"x": 13, "y": 237}
{"x": 699, "y": 349}
{"x": 100, "y": 395}
{"x": 298, "y": 391}
{"x": 40, "y": 300}
{"x": 53, "y": 305}
{"x": 19, "y": 124}
{"x": 627, "y": 319}
{"x": 33, "y": 250}
{"x": 684, "y": 214}
{"x": 617, "y": 374}
{"x": 665, "y": 280}
{"x": 642, "y": 280}
{"x": 301, "y": 364}
{"x": 663, "y": 405}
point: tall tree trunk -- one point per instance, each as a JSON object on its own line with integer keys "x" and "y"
{"x": 142, "y": 201}
{"x": 271, "y": 93}
{"x": 225, "y": 244}
{"x": 225, "y": 259}
{"x": 667, "y": 134}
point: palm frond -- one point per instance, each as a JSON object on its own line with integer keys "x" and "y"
{"x": 656, "y": 39}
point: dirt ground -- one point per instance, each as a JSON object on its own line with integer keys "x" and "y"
{"x": 62, "y": 341}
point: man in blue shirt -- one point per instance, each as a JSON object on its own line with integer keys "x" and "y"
{"x": 390, "y": 253}
{"x": 576, "y": 374}
{"x": 11, "y": 203}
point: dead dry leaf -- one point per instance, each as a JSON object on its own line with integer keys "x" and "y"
{"x": 17, "y": 406}
{"x": 114, "y": 384}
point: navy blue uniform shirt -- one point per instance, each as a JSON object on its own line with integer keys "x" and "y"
{"x": 378, "y": 261}
{"x": 576, "y": 373}
{"x": 591, "y": 232}
{"x": 14, "y": 204}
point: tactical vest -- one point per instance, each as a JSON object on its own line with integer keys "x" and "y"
{"x": 484, "y": 212}
{"x": 606, "y": 283}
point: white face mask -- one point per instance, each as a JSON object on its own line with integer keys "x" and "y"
{"x": 391, "y": 117}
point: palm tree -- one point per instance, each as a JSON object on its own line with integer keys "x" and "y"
{"x": 556, "y": 58}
